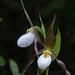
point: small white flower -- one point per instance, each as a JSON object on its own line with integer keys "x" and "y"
{"x": 43, "y": 62}
{"x": 26, "y": 40}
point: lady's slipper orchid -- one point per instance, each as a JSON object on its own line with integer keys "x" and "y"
{"x": 44, "y": 60}
{"x": 26, "y": 39}
{"x": 51, "y": 43}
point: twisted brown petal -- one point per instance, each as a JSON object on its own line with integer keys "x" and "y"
{"x": 67, "y": 72}
{"x": 29, "y": 63}
{"x": 61, "y": 64}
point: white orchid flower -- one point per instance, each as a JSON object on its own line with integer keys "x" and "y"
{"x": 44, "y": 60}
{"x": 26, "y": 39}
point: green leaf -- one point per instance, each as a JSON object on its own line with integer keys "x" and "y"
{"x": 56, "y": 49}
{"x": 14, "y": 67}
{"x": 2, "y": 61}
{"x": 42, "y": 28}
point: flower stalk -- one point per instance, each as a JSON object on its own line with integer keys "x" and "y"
{"x": 47, "y": 70}
{"x": 38, "y": 71}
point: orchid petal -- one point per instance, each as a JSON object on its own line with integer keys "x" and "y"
{"x": 50, "y": 41}
{"x": 43, "y": 62}
{"x": 62, "y": 65}
{"x": 25, "y": 40}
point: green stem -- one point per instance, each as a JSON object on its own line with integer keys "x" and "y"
{"x": 38, "y": 71}
{"x": 47, "y": 71}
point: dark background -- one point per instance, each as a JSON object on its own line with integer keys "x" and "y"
{"x": 14, "y": 24}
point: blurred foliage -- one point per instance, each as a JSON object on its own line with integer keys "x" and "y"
{"x": 54, "y": 5}
{"x": 1, "y": 19}
{"x": 14, "y": 67}
{"x": 2, "y": 61}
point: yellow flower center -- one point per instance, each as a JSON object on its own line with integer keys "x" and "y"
{"x": 46, "y": 53}
{"x": 29, "y": 30}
